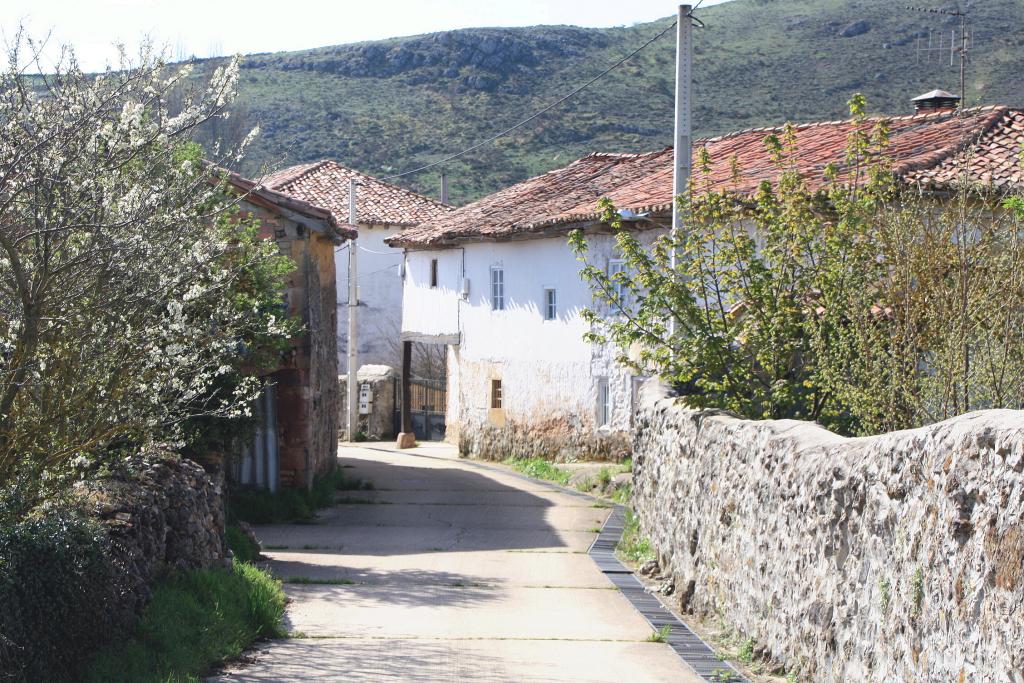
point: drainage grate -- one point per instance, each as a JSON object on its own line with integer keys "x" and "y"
{"x": 687, "y": 644}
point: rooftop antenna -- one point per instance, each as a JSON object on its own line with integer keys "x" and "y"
{"x": 959, "y": 46}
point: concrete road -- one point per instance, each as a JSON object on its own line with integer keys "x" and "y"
{"x": 451, "y": 570}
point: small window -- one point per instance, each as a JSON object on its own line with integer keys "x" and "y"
{"x": 550, "y": 304}
{"x": 495, "y": 393}
{"x": 615, "y": 266}
{"x": 497, "y": 289}
{"x": 604, "y": 408}
{"x": 433, "y": 273}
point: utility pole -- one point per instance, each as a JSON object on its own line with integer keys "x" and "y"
{"x": 682, "y": 140}
{"x": 353, "y": 305}
{"x": 444, "y": 186}
{"x": 963, "y": 60}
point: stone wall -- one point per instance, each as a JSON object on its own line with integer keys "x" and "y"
{"x": 162, "y": 513}
{"x": 891, "y": 558}
{"x": 380, "y": 423}
{"x": 557, "y": 437}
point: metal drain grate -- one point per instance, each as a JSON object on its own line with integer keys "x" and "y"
{"x": 687, "y": 644}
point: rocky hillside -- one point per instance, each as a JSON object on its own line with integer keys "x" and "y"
{"x": 390, "y": 105}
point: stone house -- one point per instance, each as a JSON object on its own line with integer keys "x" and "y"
{"x": 383, "y": 211}
{"x": 297, "y": 435}
{"x": 496, "y": 282}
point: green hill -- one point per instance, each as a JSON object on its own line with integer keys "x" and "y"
{"x": 391, "y": 105}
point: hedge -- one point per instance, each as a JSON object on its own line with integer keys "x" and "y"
{"x": 58, "y": 595}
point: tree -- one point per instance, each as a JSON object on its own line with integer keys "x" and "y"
{"x": 860, "y": 303}
{"x": 133, "y": 298}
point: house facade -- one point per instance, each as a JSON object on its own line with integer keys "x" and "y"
{"x": 497, "y": 284}
{"x": 297, "y": 431}
{"x": 383, "y": 211}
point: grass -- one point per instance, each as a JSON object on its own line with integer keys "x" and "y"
{"x": 195, "y": 621}
{"x": 634, "y": 546}
{"x": 306, "y": 581}
{"x": 623, "y": 494}
{"x": 538, "y": 468}
{"x": 243, "y": 547}
{"x": 291, "y": 505}
{"x": 746, "y": 651}
{"x": 661, "y": 635}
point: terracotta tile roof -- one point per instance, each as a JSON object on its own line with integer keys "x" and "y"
{"x": 325, "y": 183}
{"x": 323, "y": 219}
{"x": 925, "y": 148}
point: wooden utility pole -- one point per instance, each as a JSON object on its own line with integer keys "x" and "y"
{"x": 406, "y": 439}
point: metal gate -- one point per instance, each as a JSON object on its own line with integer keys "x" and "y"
{"x": 429, "y": 401}
{"x": 258, "y": 463}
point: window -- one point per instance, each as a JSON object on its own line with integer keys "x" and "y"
{"x": 615, "y": 266}
{"x": 604, "y": 408}
{"x": 550, "y": 304}
{"x": 497, "y": 289}
{"x": 495, "y": 393}
{"x": 433, "y": 273}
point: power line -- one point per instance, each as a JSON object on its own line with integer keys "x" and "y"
{"x": 536, "y": 114}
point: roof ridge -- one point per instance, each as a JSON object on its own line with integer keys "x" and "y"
{"x": 838, "y": 122}
{"x": 996, "y": 113}
{"x": 623, "y": 155}
{"x": 310, "y": 167}
{"x": 385, "y": 183}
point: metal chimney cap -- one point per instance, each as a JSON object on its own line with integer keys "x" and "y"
{"x": 936, "y": 95}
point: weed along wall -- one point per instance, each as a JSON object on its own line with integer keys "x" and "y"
{"x": 891, "y": 558}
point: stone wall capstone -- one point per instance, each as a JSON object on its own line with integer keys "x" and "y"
{"x": 897, "y": 557}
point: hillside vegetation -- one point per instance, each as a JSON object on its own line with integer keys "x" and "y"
{"x": 392, "y": 105}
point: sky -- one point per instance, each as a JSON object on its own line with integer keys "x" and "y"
{"x": 210, "y": 27}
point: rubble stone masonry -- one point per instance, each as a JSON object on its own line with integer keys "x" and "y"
{"x": 897, "y": 557}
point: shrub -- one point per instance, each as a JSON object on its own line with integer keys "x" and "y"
{"x": 58, "y": 595}
{"x": 195, "y": 621}
{"x": 847, "y": 298}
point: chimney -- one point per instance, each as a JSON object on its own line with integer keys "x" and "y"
{"x": 936, "y": 100}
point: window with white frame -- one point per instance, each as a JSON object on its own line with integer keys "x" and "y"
{"x": 497, "y": 289}
{"x": 615, "y": 266}
{"x": 550, "y": 303}
{"x": 604, "y": 406}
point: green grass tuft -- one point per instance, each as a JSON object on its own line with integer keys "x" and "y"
{"x": 243, "y": 547}
{"x": 661, "y": 635}
{"x": 634, "y": 546}
{"x": 195, "y": 621}
{"x": 538, "y": 468}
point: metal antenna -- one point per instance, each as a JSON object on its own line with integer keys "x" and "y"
{"x": 958, "y": 47}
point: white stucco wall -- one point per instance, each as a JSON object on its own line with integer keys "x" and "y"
{"x": 380, "y": 298}
{"x": 546, "y": 367}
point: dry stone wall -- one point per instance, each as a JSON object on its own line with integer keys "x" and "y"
{"x": 162, "y": 513}
{"x": 560, "y": 438}
{"x": 891, "y": 558}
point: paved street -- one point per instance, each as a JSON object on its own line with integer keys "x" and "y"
{"x": 451, "y": 570}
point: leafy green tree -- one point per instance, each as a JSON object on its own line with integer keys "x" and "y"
{"x": 855, "y": 301}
